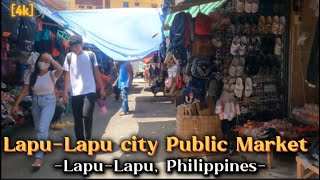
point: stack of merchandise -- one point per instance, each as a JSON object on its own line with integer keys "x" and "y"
{"x": 308, "y": 113}
{"x": 8, "y": 119}
{"x": 276, "y": 127}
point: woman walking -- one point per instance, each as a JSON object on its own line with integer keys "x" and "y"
{"x": 41, "y": 81}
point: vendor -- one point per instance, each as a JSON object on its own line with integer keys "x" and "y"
{"x": 158, "y": 86}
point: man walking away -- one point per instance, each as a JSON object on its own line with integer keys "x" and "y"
{"x": 124, "y": 84}
{"x": 81, "y": 69}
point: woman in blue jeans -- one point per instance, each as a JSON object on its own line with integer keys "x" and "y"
{"x": 41, "y": 81}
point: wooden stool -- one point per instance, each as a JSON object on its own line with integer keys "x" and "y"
{"x": 301, "y": 165}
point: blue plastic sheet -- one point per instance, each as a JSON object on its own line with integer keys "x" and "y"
{"x": 122, "y": 34}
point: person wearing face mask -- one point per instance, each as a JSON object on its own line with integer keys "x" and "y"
{"x": 41, "y": 81}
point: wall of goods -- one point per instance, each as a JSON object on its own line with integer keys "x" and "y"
{"x": 234, "y": 66}
{"x": 18, "y": 56}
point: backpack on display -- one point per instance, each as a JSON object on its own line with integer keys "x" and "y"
{"x": 177, "y": 30}
{"x": 203, "y": 68}
{"x": 187, "y": 33}
{"x": 181, "y": 54}
{"x": 43, "y": 41}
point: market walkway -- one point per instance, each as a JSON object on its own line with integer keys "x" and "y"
{"x": 151, "y": 118}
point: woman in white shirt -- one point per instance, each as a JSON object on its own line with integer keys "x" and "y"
{"x": 41, "y": 81}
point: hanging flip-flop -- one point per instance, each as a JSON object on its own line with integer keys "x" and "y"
{"x": 275, "y": 25}
{"x": 233, "y": 67}
{"x": 282, "y": 25}
{"x": 240, "y": 67}
{"x": 243, "y": 45}
{"x": 235, "y": 45}
{"x": 240, "y": 6}
{"x": 262, "y": 25}
{"x": 248, "y": 87}
{"x": 255, "y": 6}
{"x": 239, "y": 88}
{"x": 248, "y": 6}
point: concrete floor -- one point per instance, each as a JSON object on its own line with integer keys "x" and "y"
{"x": 151, "y": 118}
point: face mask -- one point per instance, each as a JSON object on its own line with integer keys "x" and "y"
{"x": 43, "y": 65}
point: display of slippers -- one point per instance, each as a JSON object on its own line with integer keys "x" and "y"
{"x": 262, "y": 25}
{"x": 248, "y": 87}
{"x": 248, "y": 6}
{"x": 235, "y": 45}
{"x": 240, "y": 68}
{"x": 282, "y": 25}
{"x": 269, "y": 25}
{"x": 243, "y": 46}
{"x": 233, "y": 67}
{"x": 255, "y": 6}
{"x": 253, "y": 21}
{"x": 239, "y": 88}
{"x": 275, "y": 25}
{"x": 278, "y": 47}
{"x": 240, "y": 4}
{"x": 247, "y": 28}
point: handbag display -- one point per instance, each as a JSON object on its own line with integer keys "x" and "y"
{"x": 203, "y": 68}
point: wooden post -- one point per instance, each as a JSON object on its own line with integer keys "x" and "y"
{"x": 300, "y": 169}
{"x": 269, "y": 159}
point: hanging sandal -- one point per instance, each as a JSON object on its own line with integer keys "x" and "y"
{"x": 262, "y": 25}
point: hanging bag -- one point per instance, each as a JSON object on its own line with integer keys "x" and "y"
{"x": 177, "y": 30}
{"x": 203, "y": 25}
{"x": 203, "y": 68}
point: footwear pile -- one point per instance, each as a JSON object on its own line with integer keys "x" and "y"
{"x": 308, "y": 113}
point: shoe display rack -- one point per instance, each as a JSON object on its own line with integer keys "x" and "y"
{"x": 259, "y": 41}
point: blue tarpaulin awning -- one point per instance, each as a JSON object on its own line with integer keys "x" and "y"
{"x": 122, "y": 34}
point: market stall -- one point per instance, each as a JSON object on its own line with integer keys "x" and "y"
{"x": 236, "y": 59}
{"x": 22, "y": 40}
